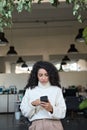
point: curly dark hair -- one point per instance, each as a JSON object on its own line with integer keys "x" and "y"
{"x": 51, "y": 70}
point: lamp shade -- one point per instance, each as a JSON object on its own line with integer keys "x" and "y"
{"x": 11, "y": 51}
{"x": 63, "y": 63}
{"x": 72, "y": 49}
{"x": 3, "y": 40}
{"x": 20, "y": 60}
{"x": 66, "y": 58}
{"x": 79, "y": 38}
{"x": 24, "y": 65}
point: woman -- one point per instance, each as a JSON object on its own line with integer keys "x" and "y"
{"x": 44, "y": 113}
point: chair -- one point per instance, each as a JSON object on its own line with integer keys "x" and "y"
{"x": 72, "y": 103}
{"x": 70, "y": 92}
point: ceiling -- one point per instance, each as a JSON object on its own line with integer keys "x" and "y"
{"x": 45, "y": 13}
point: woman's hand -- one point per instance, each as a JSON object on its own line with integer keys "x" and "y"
{"x": 36, "y": 102}
{"x": 47, "y": 106}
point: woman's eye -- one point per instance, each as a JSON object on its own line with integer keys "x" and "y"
{"x": 43, "y": 75}
{"x": 40, "y": 75}
{"x": 46, "y": 75}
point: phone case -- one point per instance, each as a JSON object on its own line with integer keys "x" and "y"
{"x": 44, "y": 98}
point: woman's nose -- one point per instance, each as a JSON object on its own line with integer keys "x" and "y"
{"x": 43, "y": 77}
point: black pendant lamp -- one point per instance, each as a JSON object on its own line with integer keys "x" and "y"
{"x": 72, "y": 49}
{"x": 3, "y": 40}
{"x": 24, "y": 65}
{"x": 66, "y": 58}
{"x": 28, "y": 69}
{"x": 63, "y": 63}
{"x": 79, "y": 38}
{"x": 20, "y": 60}
{"x": 61, "y": 69}
{"x": 11, "y": 51}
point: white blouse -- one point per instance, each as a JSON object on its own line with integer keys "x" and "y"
{"x": 55, "y": 97}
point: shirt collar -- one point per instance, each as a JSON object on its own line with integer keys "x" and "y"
{"x": 44, "y": 85}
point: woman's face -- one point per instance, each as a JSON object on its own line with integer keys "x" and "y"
{"x": 43, "y": 76}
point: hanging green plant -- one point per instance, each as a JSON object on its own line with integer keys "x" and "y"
{"x": 78, "y": 7}
{"x": 7, "y": 7}
{"x": 85, "y": 34}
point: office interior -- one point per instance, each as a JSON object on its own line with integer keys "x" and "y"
{"x": 45, "y": 33}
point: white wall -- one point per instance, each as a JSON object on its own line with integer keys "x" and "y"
{"x": 73, "y": 78}
{"x": 19, "y": 80}
{"x": 67, "y": 79}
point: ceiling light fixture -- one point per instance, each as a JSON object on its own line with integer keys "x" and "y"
{"x": 79, "y": 38}
{"x": 24, "y": 65}
{"x": 20, "y": 60}
{"x": 11, "y": 51}
{"x": 72, "y": 49}
{"x": 66, "y": 58}
{"x": 28, "y": 69}
{"x": 63, "y": 63}
{"x": 61, "y": 69}
{"x": 3, "y": 40}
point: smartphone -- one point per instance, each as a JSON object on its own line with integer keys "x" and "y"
{"x": 44, "y": 98}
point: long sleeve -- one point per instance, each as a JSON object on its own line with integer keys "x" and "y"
{"x": 59, "y": 109}
{"x": 26, "y": 107}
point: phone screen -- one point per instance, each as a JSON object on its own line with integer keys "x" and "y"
{"x": 44, "y": 98}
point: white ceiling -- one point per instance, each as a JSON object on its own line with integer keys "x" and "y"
{"x": 45, "y": 13}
